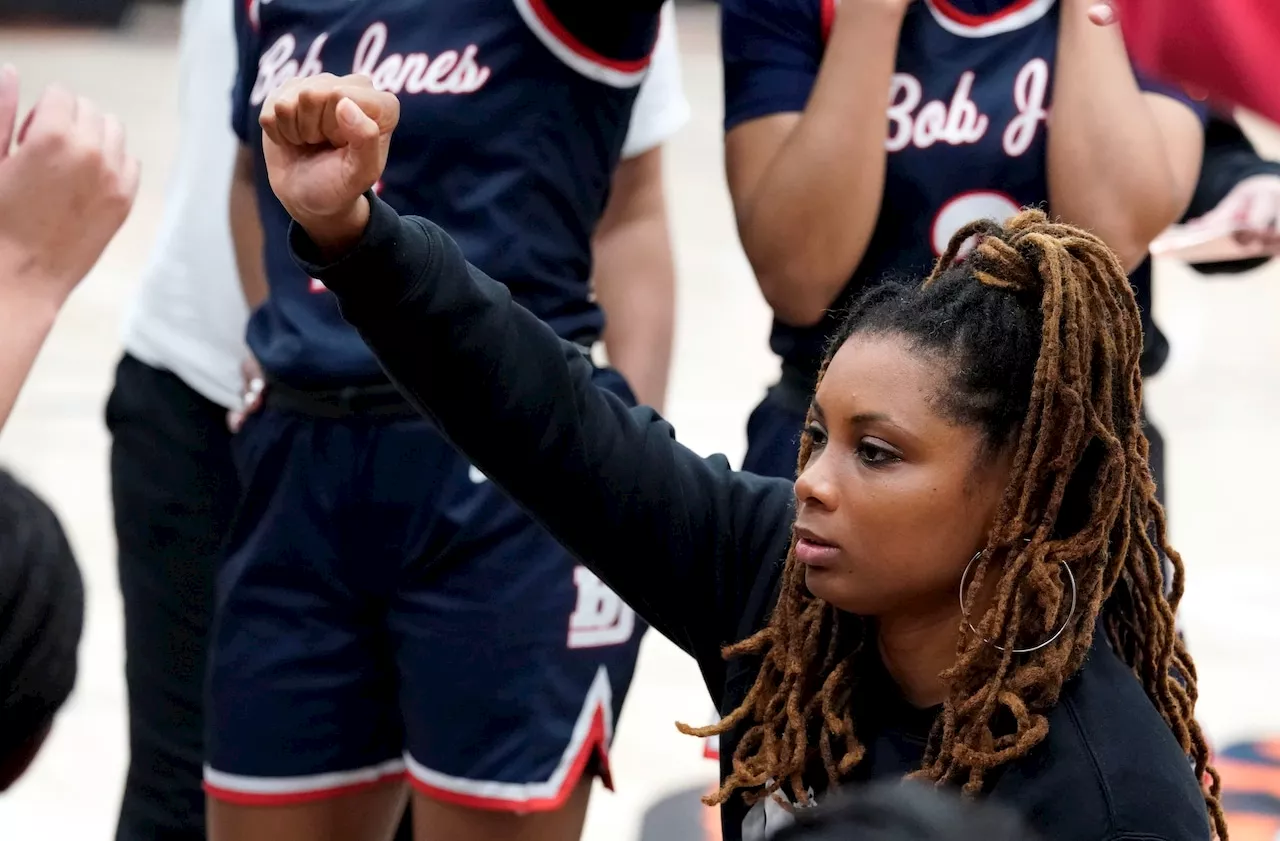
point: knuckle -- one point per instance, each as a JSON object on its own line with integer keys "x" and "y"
{"x": 52, "y": 143}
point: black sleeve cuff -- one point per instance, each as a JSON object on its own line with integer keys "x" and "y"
{"x": 384, "y": 267}
{"x": 1229, "y": 158}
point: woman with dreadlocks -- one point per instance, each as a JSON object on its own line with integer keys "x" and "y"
{"x": 963, "y": 585}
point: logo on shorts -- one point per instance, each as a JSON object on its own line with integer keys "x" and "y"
{"x": 600, "y": 618}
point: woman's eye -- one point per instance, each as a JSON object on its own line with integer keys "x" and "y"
{"x": 874, "y": 455}
{"x": 816, "y": 434}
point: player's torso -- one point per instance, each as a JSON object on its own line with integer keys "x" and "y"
{"x": 967, "y": 124}
{"x": 966, "y": 134}
{"x": 500, "y": 142}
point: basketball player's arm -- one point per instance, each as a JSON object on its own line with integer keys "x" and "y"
{"x": 634, "y": 278}
{"x": 680, "y": 538}
{"x": 246, "y": 230}
{"x": 806, "y": 186}
{"x": 246, "y": 224}
{"x": 1123, "y": 162}
{"x": 66, "y": 186}
{"x": 634, "y": 269}
{"x": 25, "y": 323}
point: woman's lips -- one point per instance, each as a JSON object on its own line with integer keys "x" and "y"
{"x": 813, "y": 551}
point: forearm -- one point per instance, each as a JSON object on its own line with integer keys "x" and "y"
{"x": 806, "y": 223}
{"x": 634, "y": 279}
{"x": 25, "y": 323}
{"x": 1113, "y": 168}
{"x": 246, "y": 231}
{"x": 651, "y": 518}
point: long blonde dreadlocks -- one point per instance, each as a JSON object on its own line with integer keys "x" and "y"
{"x": 1044, "y": 331}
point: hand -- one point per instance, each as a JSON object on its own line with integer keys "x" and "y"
{"x": 1252, "y": 211}
{"x": 326, "y": 140}
{"x": 64, "y": 191}
{"x": 251, "y": 398}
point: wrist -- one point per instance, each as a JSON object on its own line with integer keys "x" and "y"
{"x": 334, "y": 236}
{"x": 28, "y": 290}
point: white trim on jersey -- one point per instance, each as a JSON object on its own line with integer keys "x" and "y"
{"x": 1027, "y": 15}
{"x": 281, "y": 790}
{"x": 618, "y": 74}
{"x": 592, "y": 730}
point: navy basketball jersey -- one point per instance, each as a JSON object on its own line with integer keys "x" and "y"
{"x": 968, "y": 106}
{"x": 513, "y": 117}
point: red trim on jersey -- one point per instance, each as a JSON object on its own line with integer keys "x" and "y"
{"x": 244, "y": 798}
{"x": 595, "y": 744}
{"x": 564, "y": 36}
{"x": 966, "y": 19}
{"x": 828, "y": 18}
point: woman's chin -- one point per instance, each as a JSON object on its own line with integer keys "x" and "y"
{"x": 834, "y": 587}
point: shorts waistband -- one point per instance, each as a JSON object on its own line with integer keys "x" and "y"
{"x": 370, "y": 400}
{"x": 380, "y": 400}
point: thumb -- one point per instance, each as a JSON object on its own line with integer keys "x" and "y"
{"x": 354, "y": 126}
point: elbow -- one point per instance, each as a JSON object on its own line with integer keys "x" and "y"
{"x": 1129, "y": 227}
{"x": 1129, "y": 242}
{"x": 1132, "y": 254}
{"x": 796, "y": 294}
{"x": 800, "y": 273}
{"x": 1132, "y": 240}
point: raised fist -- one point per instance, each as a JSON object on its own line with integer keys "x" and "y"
{"x": 326, "y": 140}
{"x": 65, "y": 189}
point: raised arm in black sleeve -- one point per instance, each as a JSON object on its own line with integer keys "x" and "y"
{"x": 680, "y": 538}
{"x": 1229, "y": 158}
{"x": 619, "y": 32}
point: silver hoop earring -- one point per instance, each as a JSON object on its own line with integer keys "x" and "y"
{"x": 1071, "y": 578}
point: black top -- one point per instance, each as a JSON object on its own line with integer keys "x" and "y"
{"x": 1229, "y": 158}
{"x": 693, "y": 546}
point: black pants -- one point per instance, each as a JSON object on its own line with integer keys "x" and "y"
{"x": 174, "y": 490}
{"x": 175, "y": 493}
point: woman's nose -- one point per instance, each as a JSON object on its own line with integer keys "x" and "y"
{"x": 815, "y": 484}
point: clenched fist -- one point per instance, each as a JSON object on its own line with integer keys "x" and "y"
{"x": 65, "y": 190}
{"x": 326, "y": 140}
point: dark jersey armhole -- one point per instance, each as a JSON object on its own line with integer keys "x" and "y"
{"x": 610, "y": 43}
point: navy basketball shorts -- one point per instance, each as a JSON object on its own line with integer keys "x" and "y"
{"x": 385, "y": 612}
{"x": 773, "y": 435}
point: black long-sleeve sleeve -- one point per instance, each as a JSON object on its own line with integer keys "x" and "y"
{"x": 684, "y": 540}
{"x": 1229, "y": 158}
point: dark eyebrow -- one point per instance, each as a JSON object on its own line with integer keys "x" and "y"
{"x": 871, "y": 417}
{"x": 815, "y": 409}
